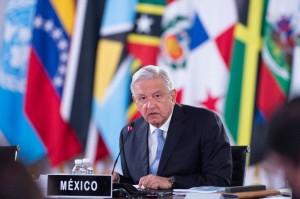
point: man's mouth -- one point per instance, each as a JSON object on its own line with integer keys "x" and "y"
{"x": 152, "y": 113}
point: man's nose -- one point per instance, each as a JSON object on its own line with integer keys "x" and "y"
{"x": 150, "y": 103}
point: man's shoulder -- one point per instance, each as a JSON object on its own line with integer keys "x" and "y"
{"x": 192, "y": 113}
{"x": 194, "y": 109}
{"x": 139, "y": 121}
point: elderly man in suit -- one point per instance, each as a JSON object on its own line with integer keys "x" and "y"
{"x": 172, "y": 145}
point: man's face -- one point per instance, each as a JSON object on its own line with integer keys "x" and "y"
{"x": 153, "y": 100}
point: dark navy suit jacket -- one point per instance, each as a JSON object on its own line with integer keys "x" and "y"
{"x": 196, "y": 151}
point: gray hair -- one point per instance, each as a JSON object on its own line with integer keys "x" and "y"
{"x": 151, "y": 72}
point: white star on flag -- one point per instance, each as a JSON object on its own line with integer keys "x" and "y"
{"x": 144, "y": 23}
{"x": 62, "y": 44}
{"x": 56, "y": 33}
{"x": 48, "y": 26}
{"x": 38, "y": 21}
{"x": 58, "y": 81}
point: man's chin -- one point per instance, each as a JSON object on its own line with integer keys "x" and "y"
{"x": 154, "y": 122}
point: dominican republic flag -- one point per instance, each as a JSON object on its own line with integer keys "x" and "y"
{"x": 279, "y": 68}
{"x": 46, "y": 75}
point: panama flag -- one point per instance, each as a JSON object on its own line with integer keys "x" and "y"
{"x": 15, "y": 44}
{"x": 196, "y": 46}
{"x": 47, "y": 66}
{"x": 210, "y": 47}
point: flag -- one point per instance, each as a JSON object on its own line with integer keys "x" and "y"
{"x": 111, "y": 93}
{"x": 295, "y": 80}
{"x": 240, "y": 100}
{"x": 209, "y": 55}
{"x": 175, "y": 40}
{"x": 144, "y": 40}
{"x": 53, "y": 24}
{"x": 278, "y": 53}
{"x": 2, "y": 11}
{"x": 15, "y": 43}
{"x": 208, "y": 60}
{"x": 277, "y": 69}
{"x": 196, "y": 49}
{"x": 78, "y": 92}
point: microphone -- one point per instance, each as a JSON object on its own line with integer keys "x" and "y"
{"x": 129, "y": 129}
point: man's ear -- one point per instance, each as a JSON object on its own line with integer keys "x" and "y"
{"x": 174, "y": 95}
{"x": 133, "y": 98}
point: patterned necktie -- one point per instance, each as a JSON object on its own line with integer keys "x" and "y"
{"x": 160, "y": 146}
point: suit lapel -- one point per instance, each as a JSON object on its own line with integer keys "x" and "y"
{"x": 175, "y": 132}
{"x": 143, "y": 152}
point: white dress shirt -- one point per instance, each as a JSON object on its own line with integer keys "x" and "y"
{"x": 152, "y": 139}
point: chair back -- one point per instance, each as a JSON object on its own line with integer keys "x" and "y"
{"x": 9, "y": 152}
{"x": 239, "y": 158}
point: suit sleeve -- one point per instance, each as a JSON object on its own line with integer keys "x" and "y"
{"x": 216, "y": 162}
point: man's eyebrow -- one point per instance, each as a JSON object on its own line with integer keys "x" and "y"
{"x": 157, "y": 92}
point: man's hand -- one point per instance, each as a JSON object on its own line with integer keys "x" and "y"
{"x": 154, "y": 182}
{"x": 115, "y": 176}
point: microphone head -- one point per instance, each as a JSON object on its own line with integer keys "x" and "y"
{"x": 130, "y": 126}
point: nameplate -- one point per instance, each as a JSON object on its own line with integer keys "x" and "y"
{"x": 79, "y": 186}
